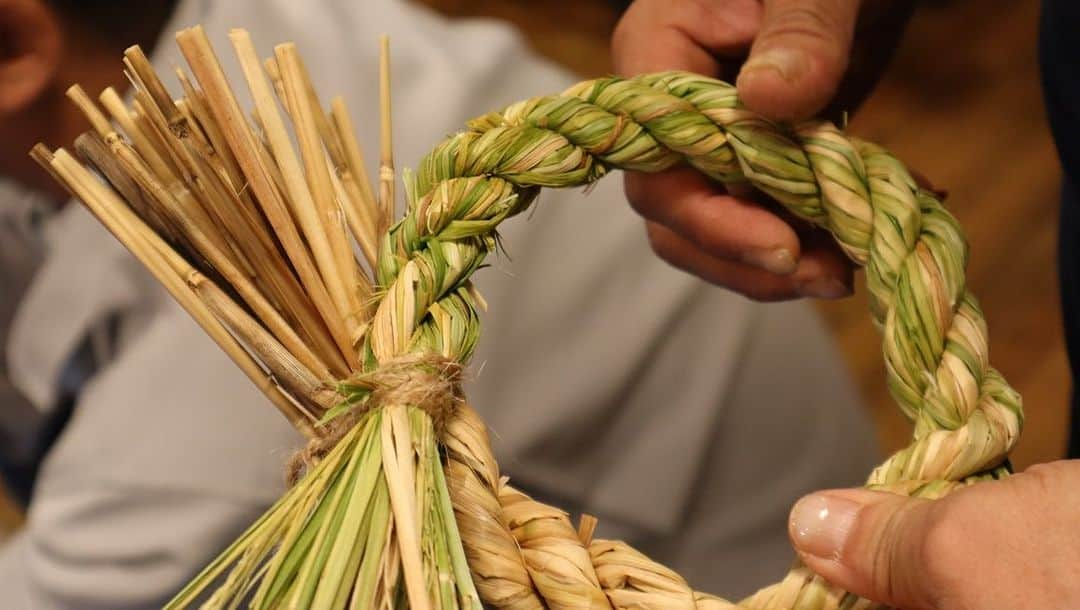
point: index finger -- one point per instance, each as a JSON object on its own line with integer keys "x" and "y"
{"x": 727, "y": 227}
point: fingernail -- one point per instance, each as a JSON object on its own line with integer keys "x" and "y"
{"x": 787, "y": 63}
{"x": 824, "y": 288}
{"x": 820, "y": 524}
{"x": 778, "y": 260}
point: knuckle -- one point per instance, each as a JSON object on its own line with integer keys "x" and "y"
{"x": 639, "y": 194}
{"x": 696, "y": 12}
{"x": 621, "y": 33}
{"x": 916, "y": 558}
{"x": 660, "y": 242}
{"x": 821, "y": 34}
{"x": 1050, "y": 474}
{"x": 758, "y": 293}
{"x": 712, "y": 238}
{"x": 884, "y": 572}
{"x": 1044, "y": 478}
{"x": 942, "y": 540}
{"x": 628, "y": 29}
{"x": 809, "y": 20}
{"x": 1042, "y": 491}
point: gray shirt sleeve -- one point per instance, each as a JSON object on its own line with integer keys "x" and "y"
{"x": 21, "y": 254}
{"x": 170, "y": 454}
{"x": 99, "y": 546}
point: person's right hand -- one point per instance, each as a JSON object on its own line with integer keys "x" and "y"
{"x": 793, "y": 59}
{"x": 1001, "y": 545}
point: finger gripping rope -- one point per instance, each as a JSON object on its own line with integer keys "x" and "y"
{"x": 966, "y": 417}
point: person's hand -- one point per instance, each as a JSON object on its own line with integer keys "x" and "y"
{"x": 793, "y": 59}
{"x": 1001, "y": 545}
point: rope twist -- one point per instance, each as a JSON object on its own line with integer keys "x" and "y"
{"x": 526, "y": 555}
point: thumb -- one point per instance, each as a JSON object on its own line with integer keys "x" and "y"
{"x": 798, "y": 57}
{"x": 868, "y": 542}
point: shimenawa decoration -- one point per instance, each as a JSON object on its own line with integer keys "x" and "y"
{"x": 397, "y": 500}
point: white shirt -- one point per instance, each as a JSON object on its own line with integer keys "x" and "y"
{"x": 686, "y": 417}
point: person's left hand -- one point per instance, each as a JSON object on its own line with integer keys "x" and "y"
{"x": 1001, "y": 545}
{"x": 794, "y": 59}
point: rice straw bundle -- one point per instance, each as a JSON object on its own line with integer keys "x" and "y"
{"x": 397, "y": 499}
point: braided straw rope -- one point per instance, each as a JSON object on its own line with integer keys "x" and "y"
{"x": 521, "y": 553}
{"x": 524, "y": 554}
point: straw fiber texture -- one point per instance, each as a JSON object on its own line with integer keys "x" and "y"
{"x": 523, "y": 554}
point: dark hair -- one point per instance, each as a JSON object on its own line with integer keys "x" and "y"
{"x": 118, "y": 22}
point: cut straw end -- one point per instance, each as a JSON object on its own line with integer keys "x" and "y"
{"x": 386, "y": 139}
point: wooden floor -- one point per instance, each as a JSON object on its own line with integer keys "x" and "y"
{"x": 961, "y": 104}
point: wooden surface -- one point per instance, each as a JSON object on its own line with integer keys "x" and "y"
{"x": 961, "y": 103}
{"x": 9, "y": 517}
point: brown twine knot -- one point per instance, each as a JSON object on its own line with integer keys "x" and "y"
{"x": 429, "y": 382}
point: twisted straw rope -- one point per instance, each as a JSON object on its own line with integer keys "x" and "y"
{"x": 526, "y": 555}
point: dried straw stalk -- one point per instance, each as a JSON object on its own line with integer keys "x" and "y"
{"x": 401, "y": 500}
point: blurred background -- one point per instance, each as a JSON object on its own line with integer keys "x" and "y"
{"x": 961, "y": 104}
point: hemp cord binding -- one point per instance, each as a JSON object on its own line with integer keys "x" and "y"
{"x": 428, "y": 382}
